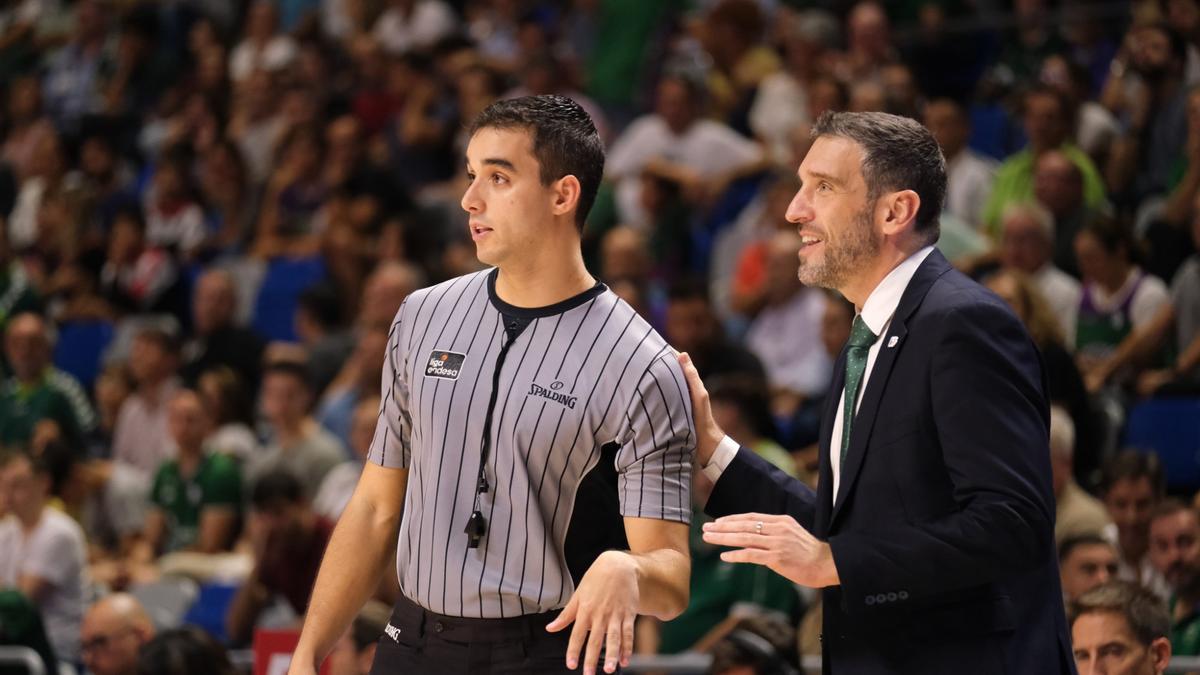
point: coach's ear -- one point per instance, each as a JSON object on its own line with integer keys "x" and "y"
{"x": 898, "y": 211}
{"x": 565, "y": 192}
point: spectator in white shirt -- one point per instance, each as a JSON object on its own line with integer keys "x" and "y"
{"x": 786, "y": 334}
{"x": 263, "y": 48}
{"x": 140, "y": 438}
{"x": 409, "y": 25}
{"x": 42, "y": 551}
{"x": 1027, "y": 244}
{"x": 673, "y": 143}
{"x": 969, "y": 175}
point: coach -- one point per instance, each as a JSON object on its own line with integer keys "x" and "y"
{"x": 931, "y": 531}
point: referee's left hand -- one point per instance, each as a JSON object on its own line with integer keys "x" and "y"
{"x": 603, "y": 609}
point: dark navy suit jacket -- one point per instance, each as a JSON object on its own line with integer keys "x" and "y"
{"x": 943, "y": 528}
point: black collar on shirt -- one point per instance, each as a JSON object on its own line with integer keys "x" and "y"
{"x": 538, "y": 312}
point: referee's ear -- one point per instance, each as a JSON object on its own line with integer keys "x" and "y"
{"x": 566, "y": 195}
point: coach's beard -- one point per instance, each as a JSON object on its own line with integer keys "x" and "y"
{"x": 853, "y": 250}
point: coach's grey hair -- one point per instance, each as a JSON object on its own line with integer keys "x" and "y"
{"x": 1146, "y": 613}
{"x": 898, "y": 154}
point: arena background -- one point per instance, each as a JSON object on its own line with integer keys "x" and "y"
{"x": 233, "y": 198}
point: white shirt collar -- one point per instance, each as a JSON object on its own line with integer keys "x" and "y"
{"x": 881, "y": 304}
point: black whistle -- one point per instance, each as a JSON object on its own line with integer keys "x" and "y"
{"x": 476, "y": 528}
{"x": 482, "y": 485}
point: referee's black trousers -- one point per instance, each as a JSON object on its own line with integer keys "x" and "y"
{"x": 419, "y": 641}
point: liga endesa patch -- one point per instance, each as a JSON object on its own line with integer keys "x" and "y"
{"x": 444, "y": 364}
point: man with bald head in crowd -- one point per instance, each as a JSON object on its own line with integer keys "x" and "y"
{"x": 386, "y": 288}
{"x": 218, "y": 340}
{"x": 114, "y": 630}
{"x": 1027, "y": 245}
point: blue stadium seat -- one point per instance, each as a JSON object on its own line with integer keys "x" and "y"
{"x": 208, "y": 611}
{"x": 1171, "y": 428}
{"x": 79, "y": 348}
{"x": 275, "y": 308}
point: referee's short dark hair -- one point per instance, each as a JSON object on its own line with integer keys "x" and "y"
{"x": 565, "y": 142}
{"x": 1146, "y": 613}
{"x": 898, "y": 154}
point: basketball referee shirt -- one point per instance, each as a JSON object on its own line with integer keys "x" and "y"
{"x": 578, "y": 414}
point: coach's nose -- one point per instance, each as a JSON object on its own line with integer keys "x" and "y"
{"x": 799, "y": 211}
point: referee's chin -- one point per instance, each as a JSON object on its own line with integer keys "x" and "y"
{"x": 481, "y": 254}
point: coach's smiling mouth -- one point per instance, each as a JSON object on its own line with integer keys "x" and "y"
{"x": 479, "y": 231}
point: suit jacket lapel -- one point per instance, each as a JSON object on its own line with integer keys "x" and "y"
{"x": 934, "y": 266}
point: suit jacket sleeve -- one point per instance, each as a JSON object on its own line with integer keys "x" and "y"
{"x": 992, "y": 424}
{"x": 751, "y": 484}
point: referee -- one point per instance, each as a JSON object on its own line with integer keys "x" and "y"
{"x": 535, "y": 432}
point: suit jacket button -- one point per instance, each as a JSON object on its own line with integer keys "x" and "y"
{"x": 892, "y": 597}
{"x": 870, "y": 600}
{"x": 903, "y": 595}
{"x": 881, "y": 598}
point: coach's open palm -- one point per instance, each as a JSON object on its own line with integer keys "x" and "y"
{"x": 603, "y": 609}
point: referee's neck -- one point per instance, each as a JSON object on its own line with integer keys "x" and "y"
{"x": 540, "y": 283}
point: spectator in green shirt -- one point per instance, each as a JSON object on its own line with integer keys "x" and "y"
{"x": 1047, "y": 121}
{"x": 195, "y": 497}
{"x": 36, "y": 390}
{"x": 1175, "y": 553}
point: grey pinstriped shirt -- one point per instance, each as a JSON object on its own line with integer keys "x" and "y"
{"x": 591, "y": 421}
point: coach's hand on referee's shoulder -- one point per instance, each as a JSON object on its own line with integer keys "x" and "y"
{"x": 603, "y": 609}
{"x": 709, "y": 435}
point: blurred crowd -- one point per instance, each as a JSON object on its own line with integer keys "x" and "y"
{"x": 210, "y": 211}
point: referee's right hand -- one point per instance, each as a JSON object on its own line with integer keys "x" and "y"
{"x": 709, "y": 435}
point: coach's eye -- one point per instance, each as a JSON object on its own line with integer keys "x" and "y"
{"x": 470, "y": 178}
{"x": 499, "y": 179}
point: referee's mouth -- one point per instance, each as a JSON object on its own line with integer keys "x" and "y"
{"x": 479, "y": 231}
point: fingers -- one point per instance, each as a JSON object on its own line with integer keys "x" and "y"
{"x": 627, "y": 640}
{"x": 748, "y": 522}
{"x": 565, "y": 618}
{"x": 612, "y": 645}
{"x": 596, "y": 637}
{"x": 695, "y": 385}
{"x": 578, "y": 634}
{"x": 747, "y": 555}
{"x": 740, "y": 540}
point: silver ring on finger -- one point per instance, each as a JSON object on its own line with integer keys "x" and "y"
{"x": 758, "y": 526}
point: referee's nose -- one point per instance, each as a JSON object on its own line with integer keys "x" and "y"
{"x": 471, "y": 202}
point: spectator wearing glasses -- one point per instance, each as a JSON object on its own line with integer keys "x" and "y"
{"x": 114, "y": 630}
